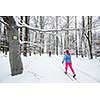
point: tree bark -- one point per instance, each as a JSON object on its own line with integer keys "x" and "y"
{"x": 57, "y": 36}
{"x": 26, "y": 37}
{"x": 76, "y": 37}
{"x": 90, "y": 35}
{"x": 66, "y": 39}
{"x": 21, "y": 31}
{"x": 14, "y": 46}
{"x": 41, "y": 35}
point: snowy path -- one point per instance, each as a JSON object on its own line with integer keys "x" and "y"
{"x": 87, "y": 70}
{"x": 42, "y": 69}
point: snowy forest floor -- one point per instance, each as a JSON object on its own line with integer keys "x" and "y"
{"x": 45, "y": 69}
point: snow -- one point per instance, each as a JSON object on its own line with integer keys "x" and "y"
{"x": 45, "y": 69}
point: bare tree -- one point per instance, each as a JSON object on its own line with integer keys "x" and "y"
{"x": 76, "y": 37}
{"x": 21, "y": 34}
{"x": 26, "y": 37}
{"x": 57, "y": 36}
{"x": 61, "y": 50}
{"x": 87, "y": 32}
{"x": 81, "y": 37}
{"x": 66, "y": 39}
{"x": 89, "y": 35}
{"x": 52, "y": 38}
{"x": 35, "y": 20}
{"x": 83, "y": 50}
{"x": 41, "y": 34}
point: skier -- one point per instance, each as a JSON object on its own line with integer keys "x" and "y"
{"x": 67, "y": 59}
{"x": 49, "y": 53}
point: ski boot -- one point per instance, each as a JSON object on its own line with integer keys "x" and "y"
{"x": 74, "y": 75}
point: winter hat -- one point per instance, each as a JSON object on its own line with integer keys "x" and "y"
{"x": 67, "y": 51}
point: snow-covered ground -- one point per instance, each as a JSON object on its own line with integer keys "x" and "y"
{"x": 45, "y": 69}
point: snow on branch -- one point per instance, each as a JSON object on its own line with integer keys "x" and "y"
{"x": 61, "y": 30}
{"x": 24, "y": 25}
{"x": 41, "y": 30}
{"x": 33, "y": 44}
{"x": 4, "y": 23}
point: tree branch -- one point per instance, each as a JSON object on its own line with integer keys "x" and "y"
{"x": 4, "y": 23}
{"x": 41, "y": 30}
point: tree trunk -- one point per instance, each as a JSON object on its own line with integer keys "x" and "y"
{"x": 14, "y": 52}
{"x": 36, "y": 33}
{"x": 76, "y": 37}
{"x": 41, "y": 35}
{"x": 61, "y": 50}
{"x": 57, "y": 36}
{"x": 0, "y": 27}
{"x": 26, "y": 37}
{"x": 5, "y": 41}
{"x": 53, "y": 47}
{"x": 21, "y": 35}
{"x": 83, "y": 36}
{"x": 21, "y": 31}
{"x": 14, "y": 47}
{"x": 90, "y": 35}
{"x": 66, "y": 39}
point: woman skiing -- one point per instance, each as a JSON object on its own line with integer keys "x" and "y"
{"x": 67, "y": 59}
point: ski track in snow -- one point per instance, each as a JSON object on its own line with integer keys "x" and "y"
{"x": 88, "y": 75}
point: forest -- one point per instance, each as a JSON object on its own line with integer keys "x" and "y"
{"x": 28, "y": 35}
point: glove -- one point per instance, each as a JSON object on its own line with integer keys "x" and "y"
{"x": 62, "y": 62}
